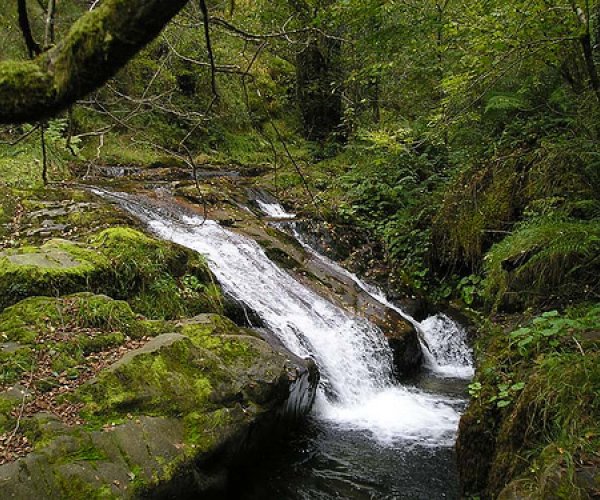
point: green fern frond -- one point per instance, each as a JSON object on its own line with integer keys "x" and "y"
{"x": 542, "y": 256}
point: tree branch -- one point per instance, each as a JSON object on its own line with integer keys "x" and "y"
{"x": 96, "y": 47}
{"x": 33, "y": 47}
{"x": 211, "y": 56}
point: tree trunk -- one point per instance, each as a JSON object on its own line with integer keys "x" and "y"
{"x": 317, "y": 86}
{"x": 49, "y": 35}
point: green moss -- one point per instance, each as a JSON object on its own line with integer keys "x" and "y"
{"x": 102, "y": 312}
{"x": 105, "y": 323}
{"x": 21, "y": 83}
{"x": 6, "y": 419}
{"x": 74, "y": 488}
{"x": 57, "y": 267}
{"x": 203, "y": 429}
{"x": 161, "y": 280}
{"x": 23, "y": 321}
{"x": 165, "y": 383}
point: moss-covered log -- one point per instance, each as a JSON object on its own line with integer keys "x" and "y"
{"x": 95, "y": 48}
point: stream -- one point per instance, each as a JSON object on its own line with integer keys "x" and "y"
{"x": 368, "y": 436}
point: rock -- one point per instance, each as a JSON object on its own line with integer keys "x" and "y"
{"x": 57, "y": 266}
{"x": 159, "y": 279}
{"x": 401, "y": 335}
{"x": 169, "y": 419}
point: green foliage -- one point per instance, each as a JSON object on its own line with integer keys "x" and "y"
{"x": 536, "y": 397}
{"x": 548, "y": 255}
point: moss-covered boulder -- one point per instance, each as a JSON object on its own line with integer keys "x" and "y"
{"x": 159, "y": 279}
{"x": 169, "y": 417}
{"x": 56, "y": 268}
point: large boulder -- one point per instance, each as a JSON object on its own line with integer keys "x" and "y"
{"x": 168, "y": 418}
{"x": 57, "y": 267}
{"x": 158, "y": 278}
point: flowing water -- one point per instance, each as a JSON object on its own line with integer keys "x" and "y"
{"x": 369, "y": 437}
{"x": 274, "y": 210}
{"x": 444, "y": 341}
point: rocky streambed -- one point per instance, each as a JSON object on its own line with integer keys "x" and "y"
{"x": 123, "y": 374}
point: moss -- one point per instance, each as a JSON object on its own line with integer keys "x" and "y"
{"x": 533, "y": 421}
{"x": 57, "y": 267}
{"x": 74, "y": 488}
{"x": 23, "y": 321}
{"x": 160, "y": 279}
{"x": 87, "y": 323}
{"x": 6, "y": 419}
{"x": 168, "y": 383}
{"x": 34, "y": 315}
{"x": 102, "y": 312}
{"x": 22, "y": 82}
{"x": 203, "y": 429}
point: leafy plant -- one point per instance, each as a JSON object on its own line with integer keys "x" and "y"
{"x": 543, "y": 255}
{"x": 552, "y": 331}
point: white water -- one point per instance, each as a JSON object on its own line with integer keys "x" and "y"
{"x": 356, "y": 390}
{"x": 274, "y": 210}
{"x": 445, "y": 342}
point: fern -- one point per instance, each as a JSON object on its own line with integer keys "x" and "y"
{"x": 546, "y": 255}
{"x": 505, "y": 103}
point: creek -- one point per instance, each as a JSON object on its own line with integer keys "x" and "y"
{"x": 369, "y": 436}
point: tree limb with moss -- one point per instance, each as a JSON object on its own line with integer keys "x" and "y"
{"x": 95, "y": 48}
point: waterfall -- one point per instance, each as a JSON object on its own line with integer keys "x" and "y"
{"x": 357, "y": 391}
{"x": 444, "y": 341}
{"x": 274, "y": 210}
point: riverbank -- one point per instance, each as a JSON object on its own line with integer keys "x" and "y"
{"x": 119, "y": 374}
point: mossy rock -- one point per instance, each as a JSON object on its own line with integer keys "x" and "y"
{"x": 56, "y": 268}
{"x": 160, "y": 279}
{"x": 169, "y": 417}
{"x": 24, "y": 321}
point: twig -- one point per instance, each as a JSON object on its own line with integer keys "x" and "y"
{"x": 22, "y": 137}
{"x": 44, "y": 154}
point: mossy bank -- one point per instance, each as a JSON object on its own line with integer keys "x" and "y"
{"x": 120, "y": 378}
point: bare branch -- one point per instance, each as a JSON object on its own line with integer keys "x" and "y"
{"x": 33, "y": 47}
{"x": 211, "y": 57}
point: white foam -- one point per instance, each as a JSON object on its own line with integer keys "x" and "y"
{"x": 444, "y": 341}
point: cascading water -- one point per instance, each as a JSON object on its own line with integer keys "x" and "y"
{"x": 444, "y": 341}
{"x": 357, "y": 391}
{"x": 274, "y": 210}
